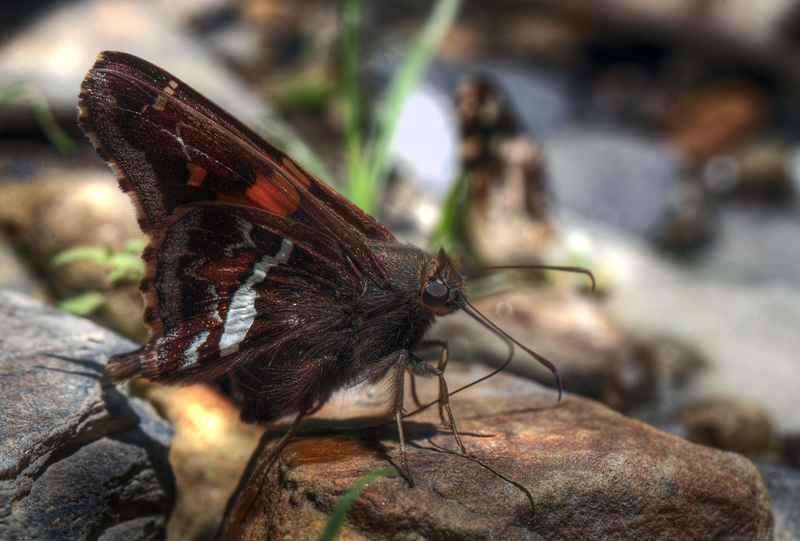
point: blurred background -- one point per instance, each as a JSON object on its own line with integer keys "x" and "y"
{"x": 655, "y": 143}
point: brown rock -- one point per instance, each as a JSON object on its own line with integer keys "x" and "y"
{"x": 507, "y": 208}
{"x": 765, "y": 169}
{"x": 71, "y": 210}
{"x": 714, "y": 117}
{"x": 540, "y": 469}
{"x": 65, "y": 211}
{"x": 729, "y": 424}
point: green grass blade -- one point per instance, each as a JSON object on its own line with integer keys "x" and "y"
{"x": 403, "y": 84}
{"x": 351, "y": 107}
{"x": 98, "y": 254}
{"x": 336, "y": 520}
{"x": 41, "y": 110}
{"x": 448, "y": 231}
{"x": 85, "y": 304}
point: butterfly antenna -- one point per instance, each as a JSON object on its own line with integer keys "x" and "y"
{"x": 475, "y": 314}
{"x": 579, "y": 270}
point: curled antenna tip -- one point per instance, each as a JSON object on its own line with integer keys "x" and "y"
{"x": 557, "y": 376}
{"x": 591, "y": 276}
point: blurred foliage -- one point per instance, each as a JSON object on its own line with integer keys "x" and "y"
{"x": 368, "y": 162}
{"x": 44, "y": 116}
{"x": 124, "y": 267}
{"x": 448, "y": 233}
{"x": 308, "y": 91}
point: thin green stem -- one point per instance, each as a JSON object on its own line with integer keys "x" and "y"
{"x": 337, "y": 518}
{"x": 350, "y": 95}
{"x": 403, "y": 84}
{"x": 41, "y": 109}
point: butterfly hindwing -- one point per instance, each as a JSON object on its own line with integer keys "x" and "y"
{"x": 226, "y": 288}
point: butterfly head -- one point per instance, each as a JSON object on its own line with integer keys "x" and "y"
{"x": 442, "y": 286}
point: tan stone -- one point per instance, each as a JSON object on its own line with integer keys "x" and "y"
{"x": 540, "y": 470}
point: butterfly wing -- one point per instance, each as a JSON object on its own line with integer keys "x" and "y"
{"x": 171, "y": 146}
{"x": 246, "y": 246}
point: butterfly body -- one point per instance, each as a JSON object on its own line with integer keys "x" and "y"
{"x": 257, "y": 273}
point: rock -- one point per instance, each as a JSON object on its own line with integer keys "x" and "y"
{"x": 765, "y": 167}
{"x": 739, "y": 253}
{"x": 791, "y": 449}
{"x": 53, "y": 52}
{"x": 426, "y": 146}
{"x": 78, "y": 459}
{"x": 711, "y": 118}
{"x": 729, "y": 424}
{"x": 595, "y": 356}
{"x": 507, "y": 207}
{"x": 623, "y": 181}
{"x": 66, "y": 211}
{"x": 540, "y": 469}
{"x": 784, "y": 487}
{"x": 82, "y": 208}
{"x": 209, "y": 452}
{"x": 672, "y": 362}
{"x": 15, "y": 274}
{"x": 741, "y": 321}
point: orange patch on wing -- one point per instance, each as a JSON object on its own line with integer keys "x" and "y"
{"x": 275, "y": 194}
{"x": 197, "y": 174}
{"x": 297, "y": 172}
{"x": 236, "y": 200}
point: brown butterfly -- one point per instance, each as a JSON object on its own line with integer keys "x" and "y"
{"x": 256, "y": 271}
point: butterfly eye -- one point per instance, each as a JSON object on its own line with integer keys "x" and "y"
{"x": 435, "y": 295}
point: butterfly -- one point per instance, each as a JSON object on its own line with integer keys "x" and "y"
{"x": 256, "y": 272}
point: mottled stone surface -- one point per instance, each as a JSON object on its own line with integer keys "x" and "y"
{"x": 78, "y": 458}
{"x": 540, "y": 470}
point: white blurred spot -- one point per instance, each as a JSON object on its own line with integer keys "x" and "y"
{"x": 425, "y": 147}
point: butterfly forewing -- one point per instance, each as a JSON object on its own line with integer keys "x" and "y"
{"x": 171, "y": 146}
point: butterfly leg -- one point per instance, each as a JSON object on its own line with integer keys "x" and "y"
{"x": 399, "y": 380}
{"x": 444, "y": 394}
{"x": 421, "y": 368}
{"x": 430, "y": 344}
{"x": 414, "y": 390}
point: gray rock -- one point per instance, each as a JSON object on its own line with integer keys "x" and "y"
{"x": 741, "y": 254}
{"x": 78, "y": 459}
{"x": 747, "y": 333}
{"x": 784, "y": 487}
{"x": 620, "y": 180}
{"x": 14, "y": 272}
